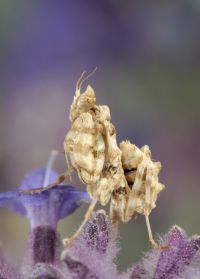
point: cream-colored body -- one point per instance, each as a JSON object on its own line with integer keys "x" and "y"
{"x": 126, "y": 175}
{"x": 91, "y": 145}
{"x": 142, "y": 176}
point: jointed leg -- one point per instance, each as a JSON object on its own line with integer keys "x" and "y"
{"x": 69, "y": 168}
{"x": 152, "y": 241}
{"x": 138, "y": 179}
{"x": 118, "y": 205}
{"x": 114, "y": 217}
{"x": 68, "y": 241}
{"x": 104, "y": 190}
{"x": 39, "y": 190}
{"x": 133, "y": 195}
{"x": 148, "y": 207}
{"x": 45, "y": 185}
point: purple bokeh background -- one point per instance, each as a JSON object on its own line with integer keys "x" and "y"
{"x": 147, "y": 56}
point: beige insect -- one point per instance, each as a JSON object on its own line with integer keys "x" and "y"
{"x": 126, "y": 176}
{"x": 142, "y": 177}
{"x": 92, "y": 148}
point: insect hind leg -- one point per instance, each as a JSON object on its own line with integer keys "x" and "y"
{"x": 133, "y": 195}
{"x": 68, "y": 241}
{"x": 148, "y": 207}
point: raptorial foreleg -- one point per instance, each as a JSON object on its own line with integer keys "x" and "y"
{"x": 58, "y": 181}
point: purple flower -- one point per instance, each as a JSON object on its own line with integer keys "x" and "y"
{"x": 93, "y": 253}
{"x": 45, "y": 208}
{"x": 7, "y": 271}
{"x": 179, "y": 261}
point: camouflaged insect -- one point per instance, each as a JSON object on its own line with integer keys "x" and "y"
{"x": 91, "y": 145}
{"x": 126, "y": 176}
{"x": 142, "y": 177}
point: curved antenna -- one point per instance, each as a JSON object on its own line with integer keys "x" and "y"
{"x": 79, "y": 83}
{"x": 82, "y": 79}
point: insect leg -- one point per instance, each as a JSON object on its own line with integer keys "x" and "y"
{"x": 45, "y": 185}
{"x": 68, "y": 241}
{"x": 69, "y": 168}
{"x": 138, "y": 180}
{"x": 39, "y": 190}
{"x": 133, "y": 195}
{"x": 118, "y": 208}
{"x": 148, "y": 207}
{"x": 114, "y": 216}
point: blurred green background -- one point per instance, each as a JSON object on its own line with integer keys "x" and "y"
{"x": 147, "y": 54}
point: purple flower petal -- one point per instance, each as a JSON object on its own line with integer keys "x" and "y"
{"x": 79, "y": 270}
{"x": 95, "y": 248}
{"x": 36, "y": 178}
{"x": 172, "y": 263}
{"x": 145, "y": 269}
{"x": 12, "y": 201}
{"x": 7, "y": 271}
{"x": 47, "y": 271}
{"x": 44, "y": 210}
{"x": 175, "y": 260}
{"x": 193, "y": 269}
{"x": 48, "y": 207}
{"x": 138, "y": 272}
{"x": 69, "y": 199}
{"x": 96, "y": 233}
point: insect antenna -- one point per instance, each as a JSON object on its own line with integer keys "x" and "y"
{"x": 82, "y": 79}
{"x": 78, "y": 84}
